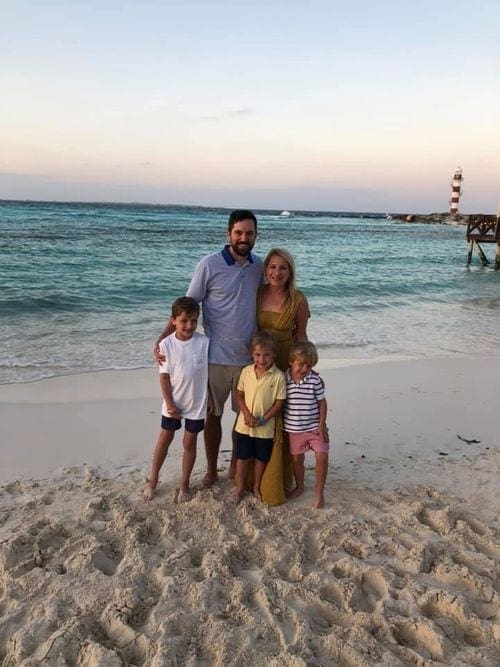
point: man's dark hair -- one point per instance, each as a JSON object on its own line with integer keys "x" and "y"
{"x": 239, "y": 215}
{"x": 185, "y": 304}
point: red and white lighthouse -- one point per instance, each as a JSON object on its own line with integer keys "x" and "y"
{"x": 456, "y": 190}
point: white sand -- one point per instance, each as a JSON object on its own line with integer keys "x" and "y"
{"x": 398, "y": 569}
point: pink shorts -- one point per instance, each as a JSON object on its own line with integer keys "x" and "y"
{"x": 302, "y": 442}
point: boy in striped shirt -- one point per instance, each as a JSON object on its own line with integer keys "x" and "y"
{"x": 305, "y": 418}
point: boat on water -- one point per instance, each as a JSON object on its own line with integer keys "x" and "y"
{"x": 285, "y": 214}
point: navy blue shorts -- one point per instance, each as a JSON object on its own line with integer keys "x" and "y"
{"x": 191, "y": 425}
{"x": 248, "y": 447}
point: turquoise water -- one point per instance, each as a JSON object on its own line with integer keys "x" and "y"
{"x": 88, "y": 286}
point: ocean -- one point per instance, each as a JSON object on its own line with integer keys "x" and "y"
{"x": 87, "y": 287}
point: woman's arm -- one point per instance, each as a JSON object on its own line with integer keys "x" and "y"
{"x": 301, "y": 317}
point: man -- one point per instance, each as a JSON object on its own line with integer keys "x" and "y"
{"x": 226, "y": 284}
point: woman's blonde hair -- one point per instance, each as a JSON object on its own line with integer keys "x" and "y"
{"x": 286, "y": 256}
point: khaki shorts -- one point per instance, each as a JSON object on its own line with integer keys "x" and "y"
{"x": 222, "y": 380}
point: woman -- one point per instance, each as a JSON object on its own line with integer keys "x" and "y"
{"x": 282, "y": 310}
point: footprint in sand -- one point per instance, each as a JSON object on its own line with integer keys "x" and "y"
{"x": 133, "y": 646}
{"x": 149, "y": 532}
{"x": 99, "y": 553}
{"x": 104, "y": 563}
{"x": 420, "y": 636}
{"x": 371, "y": 593}
{"x": 437, "y": 519}
{"x": 444, "y": 606}
{"x": 36, "y": 546}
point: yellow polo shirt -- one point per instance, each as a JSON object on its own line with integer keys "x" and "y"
{"x": 260, "y": 395}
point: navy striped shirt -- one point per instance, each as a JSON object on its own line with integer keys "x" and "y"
{"x": 301, "y": 411}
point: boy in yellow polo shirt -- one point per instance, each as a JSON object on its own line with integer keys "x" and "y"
{"x": 260, "y": 395}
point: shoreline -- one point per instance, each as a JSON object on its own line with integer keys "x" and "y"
{"x": 325, "y": 363}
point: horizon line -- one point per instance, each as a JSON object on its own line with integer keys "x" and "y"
{"x": 215, "y": 208}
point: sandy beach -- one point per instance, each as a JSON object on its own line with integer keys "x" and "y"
{"x": 399, "y": 569}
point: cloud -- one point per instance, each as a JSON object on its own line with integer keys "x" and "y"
{"x": 241, "y": 112}
{"x": 232, "y": 113}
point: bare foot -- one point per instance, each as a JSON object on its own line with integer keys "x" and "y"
{"x": 183, "y": 496}
{"x": 295, "y": 493}
{"x": 256, "y": 493}
{"x": 235, "y": 496}
{"x": 207, "y": 481}
{"x": 319, "y": 502}
{"x": 149, "y": 491}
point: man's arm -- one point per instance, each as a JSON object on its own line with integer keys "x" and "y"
{"x": 196, "y": 290}
{"x": 166, "y": 390}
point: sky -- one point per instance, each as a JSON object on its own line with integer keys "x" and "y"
{"x": 319, "y": 105}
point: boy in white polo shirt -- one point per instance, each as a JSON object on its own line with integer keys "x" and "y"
{"x": 260, "y": 395}
{"x": 184, "y": 387}
{"x": 304, "y": 418}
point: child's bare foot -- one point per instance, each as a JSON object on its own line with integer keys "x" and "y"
{"x": 295, "y": 493}
{"x": 183, "y": 496}
{"x": 319, "y": 502}
{"x": 149, "y": 491}
{"x": 235, "y": 496}
{"x": 256, "y": 493}
{"x": 207, "y": 481}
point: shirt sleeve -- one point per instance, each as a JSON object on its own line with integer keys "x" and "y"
{"x": 197, "y": 289}
{"x": 281, "y": 388}
{"x": 206, "y": 342}
{"x": 165, "y": 366}
{"x": 241, "y": 381}
{"x": 319, "y": 389}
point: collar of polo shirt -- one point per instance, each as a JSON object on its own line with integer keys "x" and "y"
{"x": 229, "y": 259}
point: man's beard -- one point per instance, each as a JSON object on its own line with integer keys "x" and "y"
{"x": 241, "y": 249}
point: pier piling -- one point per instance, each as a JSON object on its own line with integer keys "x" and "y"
{"x": 483, "y": 229}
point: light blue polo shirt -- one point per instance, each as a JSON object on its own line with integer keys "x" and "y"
{"x": 227, "y": 292}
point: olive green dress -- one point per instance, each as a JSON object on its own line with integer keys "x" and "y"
{"x": 278, "y": 475}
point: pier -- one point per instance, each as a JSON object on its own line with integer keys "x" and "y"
{"x": 483, "y": 229}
